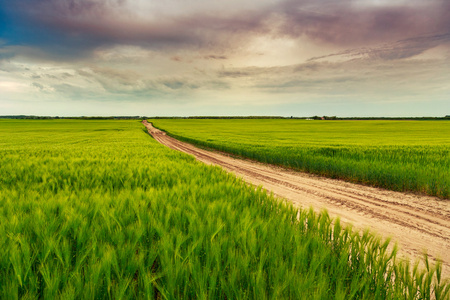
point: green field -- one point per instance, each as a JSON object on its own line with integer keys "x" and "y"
{"x": 397, "y": 155}
{"x": 99, "y": 210}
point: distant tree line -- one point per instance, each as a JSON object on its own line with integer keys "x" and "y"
{"x": 307, "y": 118}
{"x": 394, "y": 118}
{"x": 222, "y": 117}
{"x": 76, "y": 118}
{"x": 447, "y": 117}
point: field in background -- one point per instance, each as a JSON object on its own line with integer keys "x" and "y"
{"x": 98, "y": 209}
{"x": 396, "y": 155}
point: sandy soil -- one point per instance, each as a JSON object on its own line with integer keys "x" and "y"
{"x": 415, "y": 222}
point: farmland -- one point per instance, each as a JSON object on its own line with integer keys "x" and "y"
{"x": 98, "y": 209}
{"x": 397, "y": 155}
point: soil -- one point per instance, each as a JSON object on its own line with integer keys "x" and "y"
{"x": 417, "y": 223}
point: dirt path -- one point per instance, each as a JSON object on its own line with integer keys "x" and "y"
{"x": 415, "y": 222}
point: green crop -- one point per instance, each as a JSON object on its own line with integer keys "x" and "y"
{"x": 99, "y": 210}
{"x": 396, "y": 155}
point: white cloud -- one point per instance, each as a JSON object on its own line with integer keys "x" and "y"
{"x": 11, "y": 86}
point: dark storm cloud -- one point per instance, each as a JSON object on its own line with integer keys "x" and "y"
{"x": 74, "y": 28}
{"x": 409, "y": 47}
{"x": 349, "y": 23}
{"x": 398, "y": 50}
{"x": 67, "y": 29}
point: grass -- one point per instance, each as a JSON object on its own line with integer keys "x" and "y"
{"x": 409, "y": 156}
{"x": 98, "y": 209}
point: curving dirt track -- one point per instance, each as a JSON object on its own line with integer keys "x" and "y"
{"x": 416, "y": 222}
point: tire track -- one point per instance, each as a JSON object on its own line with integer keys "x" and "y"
{"x": 415, "y": 222}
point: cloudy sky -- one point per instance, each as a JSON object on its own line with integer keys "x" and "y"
{"x": 234, "y": 57}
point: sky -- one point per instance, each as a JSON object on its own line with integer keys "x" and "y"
{"x": 367, "y": 58}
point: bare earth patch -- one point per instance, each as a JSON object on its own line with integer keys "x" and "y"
{"x": 416, "y": 222}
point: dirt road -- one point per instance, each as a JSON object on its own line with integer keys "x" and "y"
{"x": 415, "y": 222}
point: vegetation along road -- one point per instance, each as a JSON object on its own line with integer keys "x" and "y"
{"x": 97, "y": 209}
{"x": 416, "y": 222}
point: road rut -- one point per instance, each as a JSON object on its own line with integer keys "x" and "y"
{"x": 415, "y": 222}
